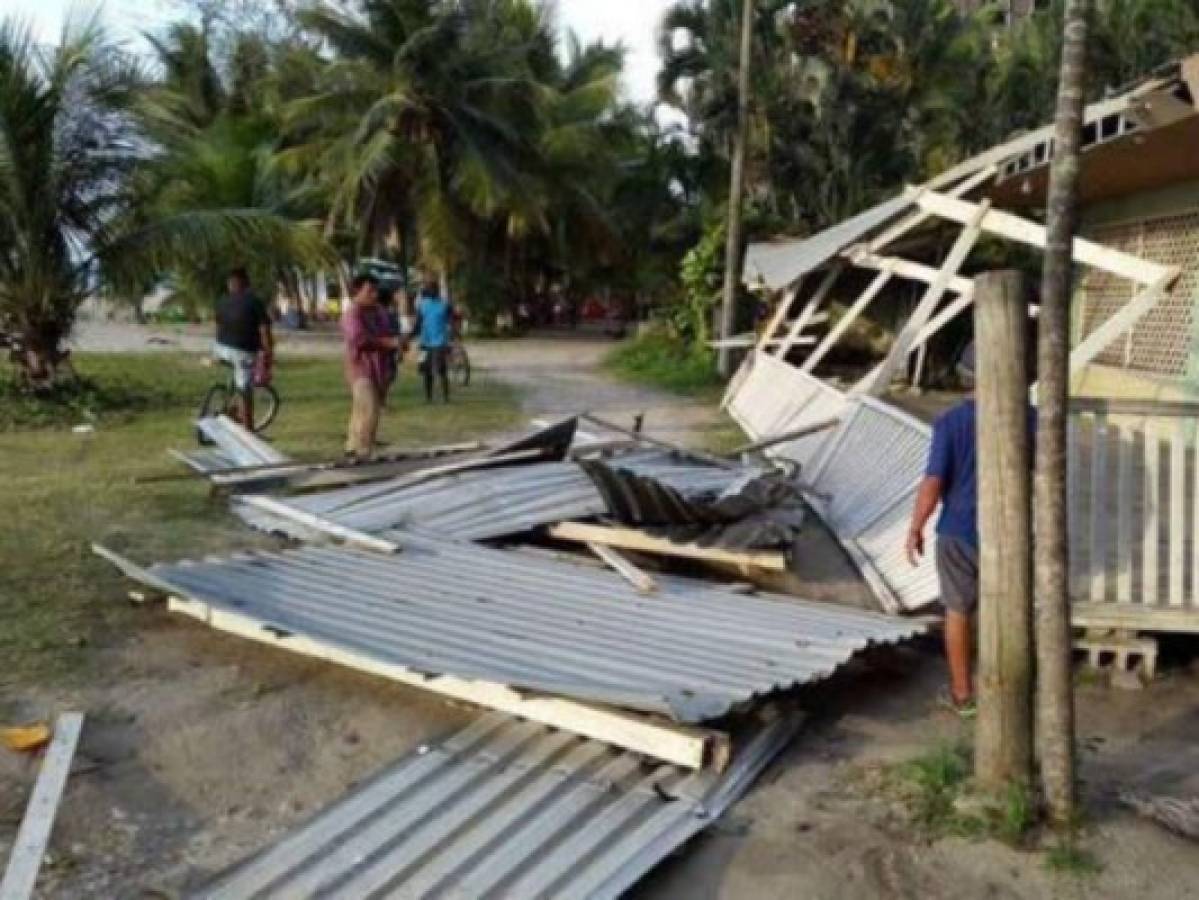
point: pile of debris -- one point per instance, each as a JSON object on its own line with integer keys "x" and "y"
{"x": 463, "y": 577}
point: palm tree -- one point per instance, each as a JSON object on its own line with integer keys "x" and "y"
{"x": 423, "y": 114}
{"x": 215, "y": 131}
{"x": 72, "y": 216}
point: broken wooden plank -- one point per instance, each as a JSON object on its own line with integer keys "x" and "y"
{"x": 325, "y": 526}
{"x": 1014, "y": 228}
{"x": 1125, "y": 318}
{"x": 632, "y": 539}
{"x": 624, "y": 567}
{"x": 906, "y": 268}
{"x": 786, "y": 437}
{"x": 879, "y": 380}
{"x": 682, "y": 745}
{"x": 850, "y": 316}
{"x": 811, "y": 308}
{"x": 34, "y": 834}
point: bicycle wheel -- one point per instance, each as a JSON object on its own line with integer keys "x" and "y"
{"x": 216, "y": 403}
{"x": 266, "y": 406}
{"x": 460, "y": 366}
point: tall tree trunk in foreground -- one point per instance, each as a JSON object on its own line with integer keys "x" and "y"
{"x": 1055, "y": 697}
{"x": 732, "y": 255}
{"x": 1003, "y": 747}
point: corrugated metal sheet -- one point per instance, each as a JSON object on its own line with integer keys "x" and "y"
{"x": 775, "y": 398}
{"x": 239, "y": 445}
{"x": 692, "y": 651}
{"x": 758, "y": 510}
{"x": 504, "y": 808}
{"x": 868, "y": 504}
{"x": 862, "y": 475}
{"x": 488, "y": 504}
{"x": 778, "y": 264}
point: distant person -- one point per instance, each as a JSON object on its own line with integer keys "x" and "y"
{"x": 370, "y": 346}
{"x": 243, "y": 331}
{"x": 434, "y": 327}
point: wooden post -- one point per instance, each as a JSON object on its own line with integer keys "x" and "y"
{"x": 732, "y": 256}
{"x": 1004, "y": 739}
{"x": 1055, "y": 693}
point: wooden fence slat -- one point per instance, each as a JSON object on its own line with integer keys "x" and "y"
{"x": 1074, "y": 461}
{"x": 1150, "y": 523}
{"x": 25, "y": 859}
{"x": 1099, "y": 511}
{"x": 1124, "y": 502}
{"x": 1178, "y": 465}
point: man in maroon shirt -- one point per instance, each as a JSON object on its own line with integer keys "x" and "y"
{"x": 370, "y": 363}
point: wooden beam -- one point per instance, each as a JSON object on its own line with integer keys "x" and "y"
{"x": 681, "y": 745}
{"x": 906, "y": 268}
{"x": 878, "y": 380}
{"x": 20, "y": 877}
{"x": 632, "y": 539}
{"x": 1015, "y": 228}
{"x": 1125, "y": 318}
{"x": 1134, "y": 617}
{"x": 780, "y": 314}
{"x": 918, "y": 218}
{"x": 325, "y": 526}
{"x": 810, "y": 309}
{"x": 624, "y": 567}
{"x": 851, "y": 315}
{"x": 752, "y": 340}
{"x": 787, "y": 437}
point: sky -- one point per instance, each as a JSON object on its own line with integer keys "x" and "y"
{"x": 633, "y": 22}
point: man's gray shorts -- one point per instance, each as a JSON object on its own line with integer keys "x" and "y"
{"x": 957, "y": 569}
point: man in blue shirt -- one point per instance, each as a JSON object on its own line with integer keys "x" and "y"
{"x": 950, "y": 481}
{"x": 434, "y": 325}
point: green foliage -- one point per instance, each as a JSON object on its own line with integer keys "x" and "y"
{"x": 664, "y": 361}
{"x": 93, "y": 190}
{"x": 702, "y": 276}
{"x": 935, "y": 787}
{"x": 930, "y": 784}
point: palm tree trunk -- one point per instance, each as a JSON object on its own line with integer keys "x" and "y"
{"x": 1055, "y": 698}
{"x": 732, "y": 255}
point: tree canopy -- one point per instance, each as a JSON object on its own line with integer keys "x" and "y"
{"x": 474, "y": 139}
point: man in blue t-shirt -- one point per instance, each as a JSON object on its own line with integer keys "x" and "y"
{"x": 434, "y": 326}
{"x": 950, "y": 482}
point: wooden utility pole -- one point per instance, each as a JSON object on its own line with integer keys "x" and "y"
{"x": 732, "y": 253}
{"x": 1004, "y": 738}
{"x": 1055, "y": 695}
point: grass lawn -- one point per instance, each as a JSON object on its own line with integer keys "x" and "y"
{"x": 62, "y": 491}
{"x": 660, "y": 361}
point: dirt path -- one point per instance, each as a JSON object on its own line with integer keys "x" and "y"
{"x": 200, "y": 748}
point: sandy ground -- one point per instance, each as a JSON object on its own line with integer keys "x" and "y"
{"x": 199, "y": 748}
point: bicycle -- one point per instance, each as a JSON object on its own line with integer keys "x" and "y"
{"x": 459, "y": 363}
{"x": 223, "y": 398}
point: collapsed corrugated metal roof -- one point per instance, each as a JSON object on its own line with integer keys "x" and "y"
{"x": 235, "y": 448}
{"x": 757, "y": 510}
{"x": 485, "y": 504}
{"x": 777, "y": 264}
{"x": 504, "y": 808}
{"x": 693, "y": 651}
